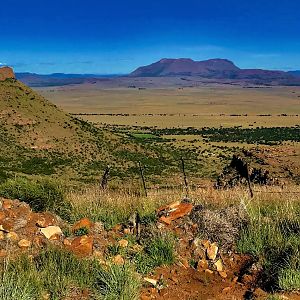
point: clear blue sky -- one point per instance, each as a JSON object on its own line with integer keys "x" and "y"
{"x": 116, "y": 36}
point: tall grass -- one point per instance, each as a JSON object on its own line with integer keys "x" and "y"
{"x": 55, "y": 272}
{"x": 41, "y": 194}
{"x": 273, "y": 237}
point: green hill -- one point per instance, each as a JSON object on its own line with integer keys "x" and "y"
{"x": 37, "y": 138}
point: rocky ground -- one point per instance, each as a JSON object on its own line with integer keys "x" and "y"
{"x": 205, "y": 268}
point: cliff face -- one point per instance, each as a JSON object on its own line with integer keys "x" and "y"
{"x": 6, "y": 72}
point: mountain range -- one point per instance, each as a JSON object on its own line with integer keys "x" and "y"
{"x": 217, "y": 70}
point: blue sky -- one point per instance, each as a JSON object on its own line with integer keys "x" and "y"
{"x": 114, "y": 36}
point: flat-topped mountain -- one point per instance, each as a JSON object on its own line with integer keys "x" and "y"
{"x": 212, "y": 68}
{"x": 6, "y": 73}
{"x": 187, "y": 67}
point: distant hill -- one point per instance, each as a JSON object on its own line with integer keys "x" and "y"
{"x": 213, "y": 69}
{"x": 58, "y": 79}
{"x": 295, "y": 73}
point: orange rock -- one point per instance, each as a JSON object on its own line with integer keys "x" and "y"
{"x": 223, "y": 274}
{"x": 185, "y": 263}
{"x": 118, "y": 260}
{"x": 2, "y": 215}
{"x": 212, "y": 251}
{"x": 7, "y": 225}
{"x": 117, "y": 227}
{"x": 206, "y": 244}
{"x": 209, "y": 272}
{"x": 126, "y": 231}
{"x": 82, "y": 246}
{"x": 24, "y": 243}
{"x": 12, "y": 236}
{"x": 7, "y": 204}
{"x": 45, "y": 220}
{"x": 67, "y": 242}
{"x": 6, "y": 72}
{"x": 202, "y": 265}
{"x": 169, "y": 206}
{"x": 123, "y": 243}
{"x": 226, "y": 290}
{"x": 3, "y": 253}
{"x": 177, "y": 212}
{"x": 247, "y": 279}
{"x": 83, "y": 223}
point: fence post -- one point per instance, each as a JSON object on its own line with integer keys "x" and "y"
{"x": 143, "y": 178}
{"x": 105, "y": 176}
{"x": 186, "y": 185}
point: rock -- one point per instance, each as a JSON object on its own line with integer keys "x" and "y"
{"x": 209, "y": 272}
{"x": 202, "y": 265}
{"x": 219, "y": 265}
{"x": 126, "y": 231}
{"x": 227, "y": 289}
{"x": 3, "y": 253}
{"x": 247, "y": 279}
{"x": 82, "y": 246}
{"x": 212, "y": 251}
{"x": 118, "y": 260}
{"x": 185, "y": 263}
{"x": 2, "y": 215}
{"x": 81, "y": 224}
{"x": 175, "y": 211}
{"x": 6, "y": 73}
{"x": 24, "y": 243}
{"x": 45, "y": 220}
{"x": 7, "y": 225}
{"x": 67, "y": 242}
{"x": 51, "y": 231}
{"x": 6, "y": 203}
{"x": 98, "y": 227}
{"x": 223, "y": 274}
{"x": 3, "y": 229}
{"x": 150, "y": 280}
{"x": 12, "y": 236}
{"x": 123, "y": 243}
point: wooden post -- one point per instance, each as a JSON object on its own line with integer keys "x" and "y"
{"x": 105, "y": 176}
{"x": 143, "y": 178}
{"x": 186, "y": 185}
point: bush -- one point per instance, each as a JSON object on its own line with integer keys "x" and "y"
{"x": 41, "y": 195}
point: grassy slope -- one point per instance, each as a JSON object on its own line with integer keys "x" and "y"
{"x": 38, "y": 138}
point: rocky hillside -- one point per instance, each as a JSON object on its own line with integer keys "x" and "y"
{"x": 6, "y": 73}
{"x": 36, "y": 137}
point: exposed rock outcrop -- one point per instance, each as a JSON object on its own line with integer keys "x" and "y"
{"x": 6, "y": 73}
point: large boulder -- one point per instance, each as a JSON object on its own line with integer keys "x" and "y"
{"x": 6, "y": 73}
